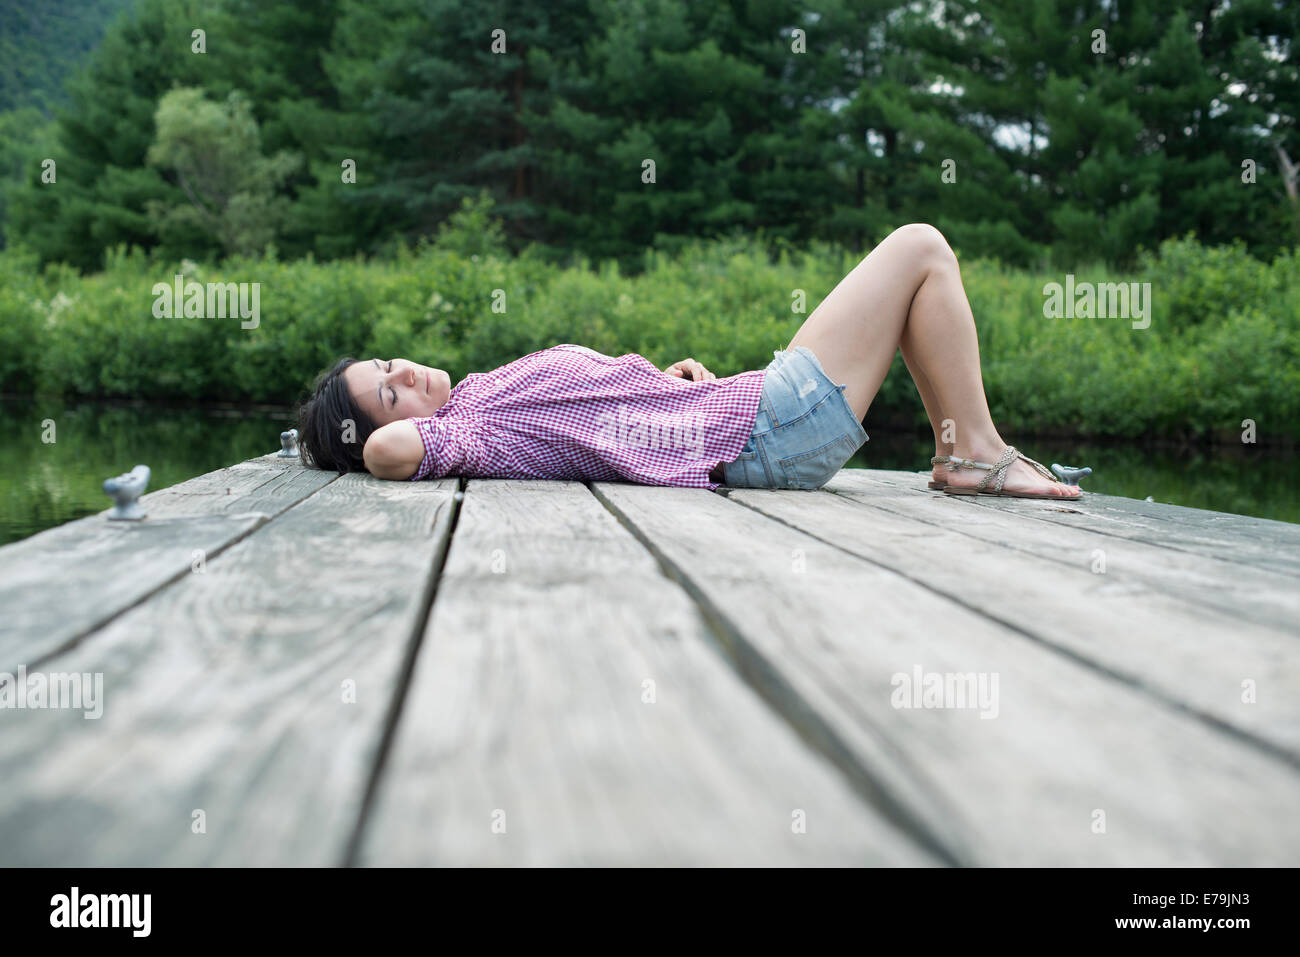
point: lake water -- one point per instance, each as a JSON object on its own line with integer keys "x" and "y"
{"x": 45, "y": 484}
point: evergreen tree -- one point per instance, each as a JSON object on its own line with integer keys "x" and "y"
{"x": 103, "y": 182}
{"x": 1092, "y": 127}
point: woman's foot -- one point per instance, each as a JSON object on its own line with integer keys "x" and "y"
{"x": 1020, "y": 475}
{"x": 939, "y": 470}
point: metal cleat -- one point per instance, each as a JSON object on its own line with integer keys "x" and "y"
{"x": 125, "y": 490}
{"x": 1070, "y": 476}
{"x": 288, "y": 445}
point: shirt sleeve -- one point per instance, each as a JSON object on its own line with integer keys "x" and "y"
{"x": 627, "y": 359}
{"x": 451, "y": 447}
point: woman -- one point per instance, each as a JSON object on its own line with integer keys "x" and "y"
{"x": 571, "y": 413}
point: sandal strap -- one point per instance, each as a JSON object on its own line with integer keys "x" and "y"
{"x": 939, "y": 460}
{"x": 996, "y": 470}
{"x": 1040, "y": 468}
{"x": 957, "y": 462}
{"x": 999, "y": 468}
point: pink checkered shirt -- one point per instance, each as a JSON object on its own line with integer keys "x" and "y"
{"x": 569, "y": 412}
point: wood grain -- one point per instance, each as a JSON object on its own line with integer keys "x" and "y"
{"x": 1241, "y": 539}
{"x": 225, "y": 693}
{"x": 1023, "y": 788}
{"x": 1188, "y": 655}
{"x": 528, "y": 710}
{"x": 1196, "y": 574}
{"x": 58, "y": 585}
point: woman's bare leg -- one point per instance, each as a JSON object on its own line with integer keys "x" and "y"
{"x": 929, "y": 398}
{"x": 907, "y": 294}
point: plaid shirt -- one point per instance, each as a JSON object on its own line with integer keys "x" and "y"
{"x": 569, "y": 412}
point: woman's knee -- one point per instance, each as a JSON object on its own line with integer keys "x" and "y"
{"x": 925, "y": 243}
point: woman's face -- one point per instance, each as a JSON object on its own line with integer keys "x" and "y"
{"x": 392, "y": 389}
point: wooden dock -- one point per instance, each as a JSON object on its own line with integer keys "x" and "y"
{"x": 305, "y": 669}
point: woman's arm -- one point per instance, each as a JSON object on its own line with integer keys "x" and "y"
{"x": 394, "y": 451}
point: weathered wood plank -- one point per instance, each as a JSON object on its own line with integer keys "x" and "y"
{"x": 1026, "y": 787}
{"x": 256, "y": 485}
{"x": 1190, "y": 656}
{"x": 1259, "y": 542}
{"x": 1249, "y": 593}
{"x": 528, "y": 710}
{"x": 62, "y": 583}
{"x": 225, "y": 693}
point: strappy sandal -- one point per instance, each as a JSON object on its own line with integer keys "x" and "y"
{"x": 999, "y": 469}
{"x": 938, "y": 460}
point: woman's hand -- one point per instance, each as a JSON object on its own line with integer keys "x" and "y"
{"x": 689, "y": 368}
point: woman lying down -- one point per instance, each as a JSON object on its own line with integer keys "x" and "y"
{"x": 569, "y": 412}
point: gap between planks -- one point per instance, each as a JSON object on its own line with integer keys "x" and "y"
{"x": 1274, "y": 742}
{"x": 414, "y": 642}
{"x": 789, "y": 705}
{"x": 1129, "y": 774}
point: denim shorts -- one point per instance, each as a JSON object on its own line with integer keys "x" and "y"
{"x": 805, "y": 429}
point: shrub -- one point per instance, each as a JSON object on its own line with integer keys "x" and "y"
{"x": 1223, "y": 344}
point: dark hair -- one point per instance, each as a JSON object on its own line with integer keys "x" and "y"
{"x": 323, "y": 421}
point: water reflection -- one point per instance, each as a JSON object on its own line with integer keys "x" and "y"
{"x": 45, "y": 484}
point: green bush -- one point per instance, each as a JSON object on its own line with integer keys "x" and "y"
{"x": 24, "y": 308}
{"x": 1223, "y": 344}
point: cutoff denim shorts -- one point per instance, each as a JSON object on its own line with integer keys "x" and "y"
{"x": 804, "y": 431}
